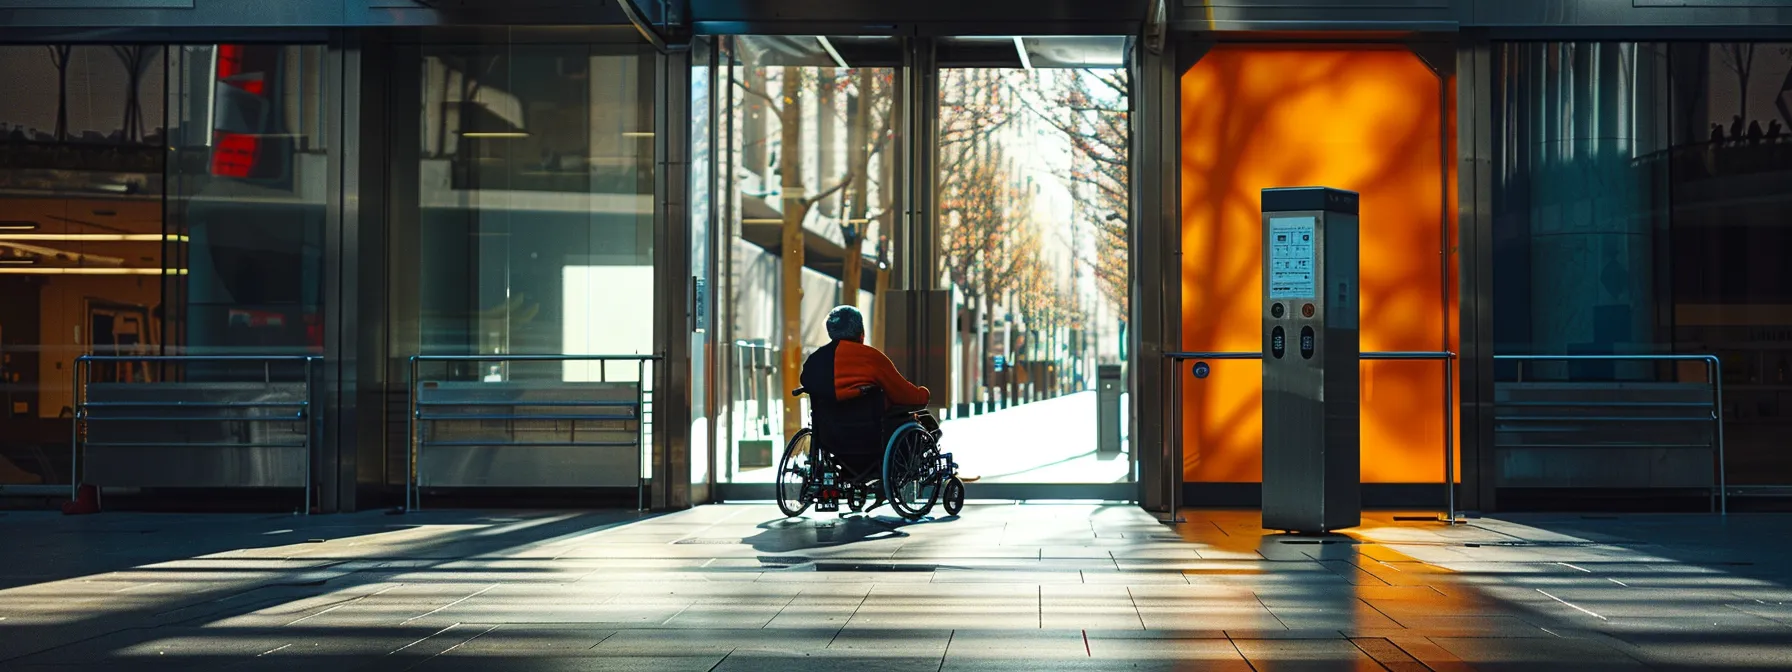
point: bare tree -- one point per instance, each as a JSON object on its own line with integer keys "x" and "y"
{"x": 1089, "y": 107}
{"x": 60, "y": 54}
{"x": 988, "y": 242}
{"x": 1739, "y": 57}
{"x": 797, "y": 202}
{"x": 865, "y": 143}
{"x": 136, "y": 60}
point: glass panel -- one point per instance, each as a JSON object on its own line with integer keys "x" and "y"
{"x": 158, "y": 201}
{"x": 1640, "y": 204}
{"x": 1034, "y": 209}
{"x": 535, "y": 196}
{"x": 807, "y": 156}
{"x": 247, "y": 190}
{"x": 702, "y": 279}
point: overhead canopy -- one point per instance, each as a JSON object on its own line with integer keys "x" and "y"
{"x": 1101, "y": 51}
{"x": 819, "y": 254}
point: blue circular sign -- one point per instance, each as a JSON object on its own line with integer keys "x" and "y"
{"x": 1201, "y": 369}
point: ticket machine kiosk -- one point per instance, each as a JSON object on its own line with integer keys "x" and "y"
{"x": 1311, "y": 416}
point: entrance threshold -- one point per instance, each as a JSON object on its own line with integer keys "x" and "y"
{"x": 1107, "y": 492}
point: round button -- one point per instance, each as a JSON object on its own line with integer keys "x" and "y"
{"x": 1275, "y": 310}
{"x": 1306, "y": 310}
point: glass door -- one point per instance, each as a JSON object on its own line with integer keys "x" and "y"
{"x": 1034, "y": 199}
{"x": 805, "y": 203}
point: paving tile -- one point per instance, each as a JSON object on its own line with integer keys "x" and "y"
{"x": 457, "y": 663}
{"x": 827, "y": 661}
{"x": 1564, "y": 653}
{"x": 1041, "y": 644}
{"x": 1195, "y": 651}
{"x": 534, "y": 640}
{"x": 1331, "y": 654}
{"x": 906, "y": 641}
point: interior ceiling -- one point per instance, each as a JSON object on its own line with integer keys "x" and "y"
{"x": 916, "y": 17}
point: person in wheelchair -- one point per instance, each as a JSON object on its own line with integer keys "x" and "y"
{"x": 856, "y": 394}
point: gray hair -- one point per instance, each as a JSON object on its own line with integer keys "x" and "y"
{"x": 845, "y": 323}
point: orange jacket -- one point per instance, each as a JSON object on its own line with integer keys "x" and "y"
{"x": 857, "y": 364}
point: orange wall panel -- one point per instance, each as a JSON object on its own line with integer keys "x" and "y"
{"x": 1371, "y": 120}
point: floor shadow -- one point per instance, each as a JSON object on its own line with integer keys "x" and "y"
{"x": 50, "y": 547}
{"x": 790, "y": 535}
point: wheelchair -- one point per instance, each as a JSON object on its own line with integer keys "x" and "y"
{"x": 847, "y": 457}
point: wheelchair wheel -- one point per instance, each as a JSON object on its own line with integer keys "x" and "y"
{"x": 953, "y": 497}
{"x": 911, "y": 472}
{"x": 793, "y": 475}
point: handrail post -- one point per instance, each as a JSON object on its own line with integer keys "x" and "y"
{"x": 642, "y": 450}
{"x": 412, "y": 493}
{"x": 1717, "y": 413}
{"x": 1175, "y": 469}
{"x": 311, "y": 420}
{"x": 1450, "y": 438}
{"x": 74, "y": 432}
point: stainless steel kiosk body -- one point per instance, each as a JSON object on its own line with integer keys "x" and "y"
{"x": 1311, "y": 439}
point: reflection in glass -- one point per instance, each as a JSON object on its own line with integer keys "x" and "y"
{"x": 154, "y": 200}
{"x": 535, "y": 201}
{"x": 1641, "y": 201}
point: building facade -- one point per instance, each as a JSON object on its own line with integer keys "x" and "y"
{"x": 380, "y": 199}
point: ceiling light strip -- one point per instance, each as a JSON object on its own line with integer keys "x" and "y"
{"x": 36, "y": 270}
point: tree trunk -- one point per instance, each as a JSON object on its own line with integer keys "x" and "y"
{"x": 858, "y": 140}
{"x": 791, "y": 287}
{"x": 61, "y": 55}
{"x": 878, "y": 310}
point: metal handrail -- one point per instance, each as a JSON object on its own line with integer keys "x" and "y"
{"x": 313, "y": 430}
{"x": 1714, "y": 374}
{"x": 1448, "y": 358}
{"x": 413, "y": 487}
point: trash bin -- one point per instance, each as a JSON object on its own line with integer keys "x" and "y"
{"x": 1108, "y": 386}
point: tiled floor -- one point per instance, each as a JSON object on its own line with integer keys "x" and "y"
{"x": 1003, "y": 587}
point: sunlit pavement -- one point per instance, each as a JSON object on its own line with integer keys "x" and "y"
{"x": 1047, "y": 441}
{"x": 1004, "y": 586}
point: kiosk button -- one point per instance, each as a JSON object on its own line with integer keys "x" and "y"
{"x": 1278, "y": 342}
{"x": 1306, "y": 310}
{"x": 1276, "y": 310}
{"x": 1306, "y": 342}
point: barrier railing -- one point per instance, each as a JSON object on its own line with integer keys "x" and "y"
{"x": 491, "y": 431}
{"x": 1176, "y": 359}
{"x": 196, "y": 434}
{"x": 1636, "y": 414}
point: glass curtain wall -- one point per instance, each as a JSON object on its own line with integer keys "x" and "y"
{"x": 804, "y": 199}
{"x": 534, "y": 206}
{"x": 1034, "y": 196}
{"x": 154, "y": 200}
{"x": 1642, "y": 202}
{"x": 522, "y": 212}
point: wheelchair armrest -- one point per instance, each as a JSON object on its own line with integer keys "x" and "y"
{"x": 798, "y": 392}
